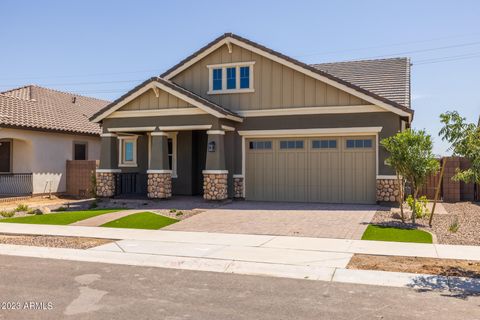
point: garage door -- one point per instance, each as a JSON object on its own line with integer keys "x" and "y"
{"x": 319, "y": 169}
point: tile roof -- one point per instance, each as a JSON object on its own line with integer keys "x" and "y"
{"x": 388, "y": 78}
{"x": 34, "y": 107}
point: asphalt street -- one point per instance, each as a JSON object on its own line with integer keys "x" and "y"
{"x": 33, "y": 288}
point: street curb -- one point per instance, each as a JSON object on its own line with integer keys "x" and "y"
{"x": 315, "y": 273}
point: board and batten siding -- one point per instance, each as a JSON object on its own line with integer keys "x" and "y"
{"x": 149, "y": 101}
{"x": 276, "y": 86}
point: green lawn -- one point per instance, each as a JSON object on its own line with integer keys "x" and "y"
{"x": 381, "y": 233}
{"x": 62, "y": 218}
{"x": 141, "y": 220}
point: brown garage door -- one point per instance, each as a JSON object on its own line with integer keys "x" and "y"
{"x": 323, "y": 169}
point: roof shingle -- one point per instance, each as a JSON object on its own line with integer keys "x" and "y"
{"x": 388, "y": 78}
{"x": 34, "y": 107}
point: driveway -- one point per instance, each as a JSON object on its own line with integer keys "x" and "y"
{"x": 339, "y": 221}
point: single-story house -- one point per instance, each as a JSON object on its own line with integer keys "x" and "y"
{"x": 239, "y": 120}
{"x": 40, "y": 129}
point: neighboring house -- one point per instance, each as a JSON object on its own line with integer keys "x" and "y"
{"x": 40, "y": 129}
{"x": 236, "y": 119}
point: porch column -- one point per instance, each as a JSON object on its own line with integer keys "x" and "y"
{"x": 159, "y": 174}
{"x": 108, "y": 168}
{"x": 215, "y": 173}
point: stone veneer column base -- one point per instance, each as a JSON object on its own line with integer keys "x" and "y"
{"x": 105, "y": 184}
{"x": 238, "y": 187}
{"x": 388, "y": 190}
{"x": 159, "y": 185}
{"x": 215, "y": 185}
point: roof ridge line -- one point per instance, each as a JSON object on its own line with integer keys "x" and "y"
{"x": 68, "y": 93}
{"x": 3, "y": 95}
{"x": 361, "y": 60}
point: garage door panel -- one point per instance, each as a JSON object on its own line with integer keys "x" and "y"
{"x": 323, "y": 169}
{"x": 291, "y": 175}
{"x": 261, "y": 175}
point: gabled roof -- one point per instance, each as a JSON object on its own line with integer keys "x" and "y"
{"x": 328, "y": 77}
{"x": 180, "y": 92}
{"x": 388, "y": 78}
{"x": 34, "y": 107}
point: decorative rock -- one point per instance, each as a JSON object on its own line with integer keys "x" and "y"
{"x": 159, "y": 185}
{"x": 238, "y": 187}
{"x": 388, "y": 190}
{"x": 105, "y": 184}
{"x": 215, "y": 186}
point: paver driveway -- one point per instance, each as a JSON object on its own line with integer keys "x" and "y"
{"x": 287, "y": 219}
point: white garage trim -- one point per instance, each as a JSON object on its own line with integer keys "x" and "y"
{"x": 310, "y": 132}
{"x": 319, "y": 132}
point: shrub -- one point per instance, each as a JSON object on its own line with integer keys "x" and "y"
{"x": 173, "y": 210}
{"x": 21, "y": 207}
{"x": 62, "y": 208}
{"x": 179, "y": 213}
{"x": 420, "y": 206}
{"x": 454, "y": 226}
{"x": 31, "y": 211}
{"x": 93, "y": 184}
{"x": 7, "y": 214}
{"x": 93, "y": 205}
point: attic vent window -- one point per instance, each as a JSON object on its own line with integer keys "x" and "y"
{"x": 234, "y": 77}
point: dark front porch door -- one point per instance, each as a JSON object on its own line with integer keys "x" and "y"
{"x": 5, "y": 154}
{"x": 199, "y": 155}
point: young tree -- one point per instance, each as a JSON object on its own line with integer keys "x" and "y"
{"x": 412, "y": 158}
{"x": 465, "y": 142}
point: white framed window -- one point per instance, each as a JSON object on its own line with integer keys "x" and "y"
{"x": 172, "y": 152}
{"x": 127, "y": 151}
{"x": 234, "y": 77}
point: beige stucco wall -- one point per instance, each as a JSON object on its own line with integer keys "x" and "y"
{"x": 45, "y": 154}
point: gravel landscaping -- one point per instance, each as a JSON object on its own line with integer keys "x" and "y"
{"x": 443, "y": 267}
{"x": 53, "y": 241}
{"x": 178, "y": 214}
{"x": 461, "y": 226}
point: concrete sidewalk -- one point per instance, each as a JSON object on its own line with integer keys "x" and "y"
{"x": 278, "y": 256}
{"x": 260, "y": 241}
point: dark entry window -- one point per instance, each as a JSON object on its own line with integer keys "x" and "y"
{"x": 5, "y": 156}
{"x": 170, "y": 154}
{"x": 79, "y": 151}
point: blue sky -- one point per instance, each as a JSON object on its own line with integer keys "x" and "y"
{"x": 104, "y": 48}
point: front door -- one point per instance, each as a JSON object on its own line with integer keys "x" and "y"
{"x": 5, "y": 155}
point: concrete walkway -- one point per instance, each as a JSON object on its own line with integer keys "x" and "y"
{"x": 277, "y": 256}
{"x": 104, "y": 218}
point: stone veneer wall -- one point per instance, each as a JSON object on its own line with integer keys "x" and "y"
{"x": 238, "y": 187}
{"x": 388, "y": 190}
{"x": 105, "y": 184}
{"x": 215, "y": 186}
{"x": 159, "y": 185}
